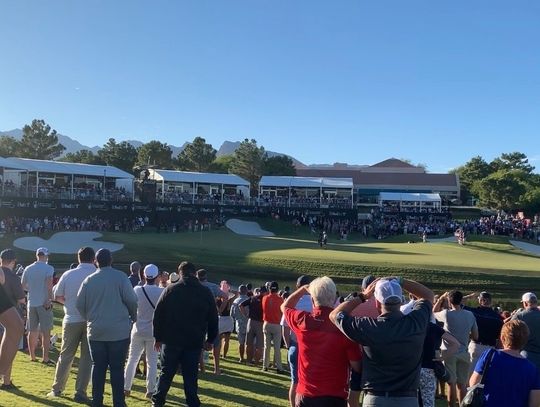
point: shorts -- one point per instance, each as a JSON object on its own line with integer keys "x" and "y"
{"x": 39, "y": 319}
{"x": 241, "y": 336}
{"x": 225, "y": 324}
{"x": 356, "y": 381}
{"x": 292, "y": 358}
{"x": 254, "y": 335}
{"x": 458, "y": 366}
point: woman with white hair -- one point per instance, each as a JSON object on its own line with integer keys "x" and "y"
{"x": 325, "y": 355}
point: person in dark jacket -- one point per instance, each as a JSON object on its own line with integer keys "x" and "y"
{"x": 185, "y": 315}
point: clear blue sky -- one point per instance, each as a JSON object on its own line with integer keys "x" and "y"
{"x": 325, "y": 81}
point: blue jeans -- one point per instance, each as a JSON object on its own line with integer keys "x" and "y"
{"x": 171, "y": 358}
{"x": 108, "y": 355}
{"x": 292, "y": 356}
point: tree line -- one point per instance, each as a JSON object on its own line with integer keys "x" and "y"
{"x": 249, "y": 161}
{"x": 507, "y": 182}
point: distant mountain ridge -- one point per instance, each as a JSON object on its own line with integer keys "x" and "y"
{"x": 72, "y": 146}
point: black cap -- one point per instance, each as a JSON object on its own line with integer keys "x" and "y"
{"x": 8, "y": 255}
{"x": 484, "y": 295}
{"x": 274, "y": 286}
{"x": 367, "y": 281}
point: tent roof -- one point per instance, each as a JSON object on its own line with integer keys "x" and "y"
{"x": 305, "y": 182}
{"x": 199, "y": 177}
{"x": 59, "y": 167}
{"x": 409, "y": 197}
{"x": 7, "y": 163}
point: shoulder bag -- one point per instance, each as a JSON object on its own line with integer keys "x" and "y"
{"x": 475, "y": 394}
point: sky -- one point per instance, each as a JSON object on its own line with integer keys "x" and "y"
{"x": 324, "y": 81}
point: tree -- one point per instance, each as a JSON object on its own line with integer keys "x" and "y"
{"x": 512, "y": 161}
{"x": 83, "y": 157}
{"x": 278, "y": 165}
{"x": 222, "y": 165}
{"x": 504, "y": 189}
{"x": 121, "y": 155}
{"x": 155, "y": 153}
{"x": 39, "y": 142}
{"x": 196, "y": 156}
{"x": 474, "y": 170}
{"x": 9, "y": 147}
{"x": 249, "y": 162}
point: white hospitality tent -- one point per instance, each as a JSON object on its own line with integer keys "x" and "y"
{"x": 187, "y": 181}
{"x": 409, "y": 199}
{"x": 72, "y": 172}
{"x": 271, "y": 184}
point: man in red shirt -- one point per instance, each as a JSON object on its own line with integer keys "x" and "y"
{"x": 325, "y": 354}
{"x": 271, "y": 304}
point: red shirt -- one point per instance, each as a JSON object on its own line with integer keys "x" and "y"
{"x": 271, "y": 304}
{"x": 323, "y": 353}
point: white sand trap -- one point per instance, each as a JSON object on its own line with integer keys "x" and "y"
{"x": 527, "y": 247}
{"x": 242, "y": 227}
{"x": 66, "y": 242}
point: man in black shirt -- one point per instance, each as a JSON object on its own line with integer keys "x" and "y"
{"x": 489, "y": 328}
{"x": 252, "y": 308}
{"x": 185, "y": 313}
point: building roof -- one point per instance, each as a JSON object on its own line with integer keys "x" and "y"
{"x": 305, "y": 182}
{"x": 59, "y": 167}
{"x": 393, "y": 163}
{"x": 198, "y": 177}
{"x": 368, "y": 179}
{"x": 6, "y": 163}
{"x": 409, "y": 197}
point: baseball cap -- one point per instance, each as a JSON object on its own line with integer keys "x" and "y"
{"x": 484, "y": 295}
{"x": 274, "y": 285}
{"x": 303, "y": 280}
{"x": 8, "y": 254}
{"x": 174, "y": 277}
{"x": 528, "y": 297}
{"x": 42, "y": 251}
{"x": 367, "y": 281}
{"x": 151, "y": 271}
{"x": 388, "y": 292}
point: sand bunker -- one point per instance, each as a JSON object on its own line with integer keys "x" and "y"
{"x": 242, "y": 227}
{"x": 66, "y": 242}
{"x": 527, "y": 247}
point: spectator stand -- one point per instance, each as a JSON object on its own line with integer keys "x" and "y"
{"x": 200, "y": 188}
{"x": 410, "y": 203}
{"x": 28, "y": 178}
{"x": 306, "y": 192}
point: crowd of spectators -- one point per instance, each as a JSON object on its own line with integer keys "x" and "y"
{"x": 40, "y": 225}
{"x": 303, "y": 201}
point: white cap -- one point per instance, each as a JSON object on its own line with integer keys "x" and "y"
{"x": 174, "y": 277}
{"x": 388, "y": 291}
{"x": 151, "y": 271}
{"x": 42, "y": 251}
{"x": 528, "y": 297}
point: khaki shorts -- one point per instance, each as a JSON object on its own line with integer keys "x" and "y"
{"x": 458, "y": 366}
{"x": 39, "y": 319}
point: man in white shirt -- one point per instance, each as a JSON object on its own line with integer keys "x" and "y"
{"x": 142, "y": 338}
{"x": 37, "y": 280}
{"x": 73, "y": 328}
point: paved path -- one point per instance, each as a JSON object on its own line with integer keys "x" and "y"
{"x": 66, "y": 242}
{"x": 527, "y": 247}
{"x": 242, "y": 227}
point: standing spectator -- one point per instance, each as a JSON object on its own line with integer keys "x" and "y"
{"x": 271, "y": 305}
{"x": 108, "y": 303}
{"x": 252, "y": 308}
{"x": 11, "y": 293}
{"x": 241, "y": 321}
{"x": 37, "y": 279}
{"x": 461, "y": 324}
{"x": 141, "y": 333}
{"x": 489, "y": 325}
{"x": 324, "y": 353}
{"x": 73, "y": 328}
{"x": 531, "y": 316}
{"x": 511, "y": 379}
{"x": 291, "y": 341}
{"x": 185, "y": 313}
{"x": 202, "y": 276}
{"x": 392, "y": 343}
{"x": 135, "y": 274}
